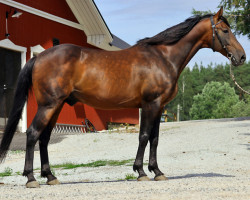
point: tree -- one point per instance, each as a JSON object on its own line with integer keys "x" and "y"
{"x": 237, "y": 13}
{"x": 192, "y": 82}
{"x": 184, "y": 98}
{"x": 242, "y": 108}
{"x": 215, "y": 101}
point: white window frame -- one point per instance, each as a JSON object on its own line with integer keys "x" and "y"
{"x": 35, "y": 50}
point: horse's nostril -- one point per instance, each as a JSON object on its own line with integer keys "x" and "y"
{"x": 243, "y": 58}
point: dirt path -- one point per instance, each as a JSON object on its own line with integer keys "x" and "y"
{"x": 202, "y": 159}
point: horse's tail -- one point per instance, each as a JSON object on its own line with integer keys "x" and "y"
{"x": 24, "y": 83}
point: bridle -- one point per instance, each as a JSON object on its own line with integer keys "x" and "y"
{"x": 229, "y": 55}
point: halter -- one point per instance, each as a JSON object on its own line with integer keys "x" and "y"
{"x": 229, "y": 55}
{"x": 216, "y": 33}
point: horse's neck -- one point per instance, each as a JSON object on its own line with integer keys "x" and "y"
{"x": 183, "y": 51}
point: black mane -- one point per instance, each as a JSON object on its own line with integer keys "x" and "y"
{"x": 173, "y": 34}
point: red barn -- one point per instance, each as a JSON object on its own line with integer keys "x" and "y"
{"x": 29, "y": 27}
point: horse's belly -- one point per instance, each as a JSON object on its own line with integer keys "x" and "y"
{"x": 109, "y": 102}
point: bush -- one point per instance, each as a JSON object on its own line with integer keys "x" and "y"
{"x": 215, "y": 101}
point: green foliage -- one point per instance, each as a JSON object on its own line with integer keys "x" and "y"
{"x": 7, "y": 172}
{"x": 215, "y": 101}
{"x": 18, "y": 173}
{"x": 192, "y": 82}
{"x": 237, "y": 13}
{"x": 97, "y": 163}
{"x": 130, "y": 177}
{"x": 242, "y": 108}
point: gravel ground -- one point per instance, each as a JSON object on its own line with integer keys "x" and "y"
{"x": 202, "y": 160}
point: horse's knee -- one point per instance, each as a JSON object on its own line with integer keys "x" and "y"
{"x": 143, "y": 139}
{"x": 154, "y": 142}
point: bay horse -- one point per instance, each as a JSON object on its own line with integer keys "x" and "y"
{"x": 142, "y": 76}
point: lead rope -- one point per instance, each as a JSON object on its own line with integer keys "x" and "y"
{"x": 235, "y": 82}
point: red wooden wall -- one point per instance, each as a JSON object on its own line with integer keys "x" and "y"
{"x": 30, "y": 30}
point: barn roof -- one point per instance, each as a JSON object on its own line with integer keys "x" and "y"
{"x": 118, "y": 42}
{"x": 89, "y": 20}
{"x": 95, "y": 27}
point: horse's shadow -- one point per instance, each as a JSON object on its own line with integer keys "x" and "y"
{"x": 203, "y": 175}
{"x": 247, "y": 145}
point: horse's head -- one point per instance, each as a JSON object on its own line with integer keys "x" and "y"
{"x": 224, "y": 41}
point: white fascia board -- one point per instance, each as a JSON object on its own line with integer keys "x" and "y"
{"x": 7, "y": 44}
{"x": 90, "y": 36}
{"x": 86, "y": 13}
{"x": 42, "y": 14}
{"x": 101, "y": 22}
{"x": 76, "y": 13}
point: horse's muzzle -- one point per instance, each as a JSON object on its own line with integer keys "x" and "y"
{"x": 234, "y": 61}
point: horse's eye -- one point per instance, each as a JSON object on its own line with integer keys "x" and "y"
{"x": 225, "y": 31}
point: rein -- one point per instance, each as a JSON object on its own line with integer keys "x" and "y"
{"x": 229, "y": 55}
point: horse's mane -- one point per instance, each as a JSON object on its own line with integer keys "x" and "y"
{"x": 173, "y": 34}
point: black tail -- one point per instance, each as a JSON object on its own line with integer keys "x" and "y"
{"x": 24, "y": 83}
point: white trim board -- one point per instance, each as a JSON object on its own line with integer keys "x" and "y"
{"x": 99, "y": 38}
{"x": 42, "y": 14}
{"x": 7, "y": 44}
{"x": 36, "y": 50}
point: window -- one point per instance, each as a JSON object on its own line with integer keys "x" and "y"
{"x": 56, "y": 41}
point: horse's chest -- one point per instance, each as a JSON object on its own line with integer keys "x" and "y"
{"x": 165, "y": 91}
{"x": 169, "y": 94}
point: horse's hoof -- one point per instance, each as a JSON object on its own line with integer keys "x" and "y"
{"x": 53, "y": 182}
{"x": 161, "y": 178}
{"x": 143, "y": 178}
{"x": 32, "y": 184}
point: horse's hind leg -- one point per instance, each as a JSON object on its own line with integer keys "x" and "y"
{"x": 39, "y": 123}
{"x": 43, "y": 145}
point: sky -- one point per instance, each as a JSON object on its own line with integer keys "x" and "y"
{"x": 132, "y": 20}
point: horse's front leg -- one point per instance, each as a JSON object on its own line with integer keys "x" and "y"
{"x": 149, "y": 114}
{"x": 154, "y": 137}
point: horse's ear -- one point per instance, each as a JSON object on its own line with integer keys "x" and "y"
{"x": 219, "y": 14}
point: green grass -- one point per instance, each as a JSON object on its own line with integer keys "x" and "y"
{"x": 98, "y": 163}
{"x": 16, "y": 152}
{"x": 7, "y": 172}
{"x": 130, "y": 177}
{"x": 18, "y": 173}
